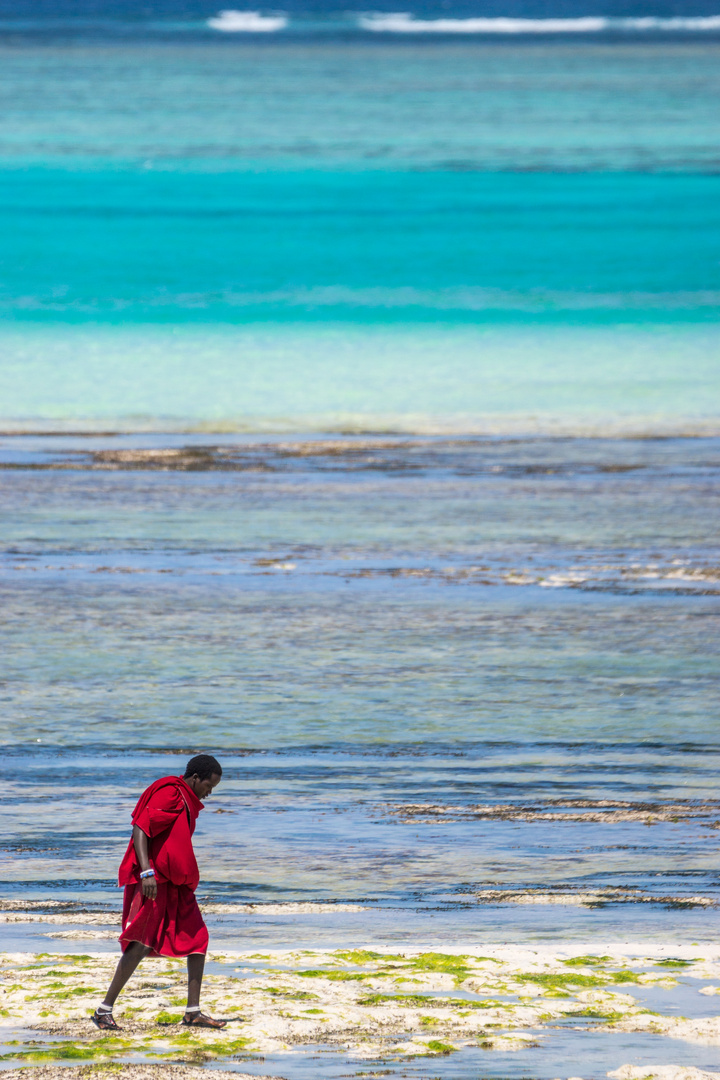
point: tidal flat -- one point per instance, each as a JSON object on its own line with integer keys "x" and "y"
{"x": 366, "y": 1012}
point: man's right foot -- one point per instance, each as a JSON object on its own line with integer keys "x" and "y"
{"x": 198, "y": 1019}
{"x": 104, "y": 1020}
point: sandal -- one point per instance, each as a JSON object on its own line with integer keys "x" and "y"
{"x": 198, "y": 1019}
{"x": 104, "y": 1021}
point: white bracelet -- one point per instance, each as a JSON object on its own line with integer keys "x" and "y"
{"x": 148, "y": 873}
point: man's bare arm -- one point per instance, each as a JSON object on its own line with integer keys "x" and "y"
{"x": 140, "y": 842}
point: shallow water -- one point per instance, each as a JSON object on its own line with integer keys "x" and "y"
{"x": 545, "y": 1060}
{"x": 466, "y": 679}
{"x": 549, "y": 1057}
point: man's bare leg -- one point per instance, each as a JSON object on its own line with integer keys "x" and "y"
{"x": 196, "y": 966}
{"x": 126, "y": 967}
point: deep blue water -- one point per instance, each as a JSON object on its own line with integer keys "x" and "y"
{"x": 185, "y": 15}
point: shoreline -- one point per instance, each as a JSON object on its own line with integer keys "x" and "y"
{"x": 364, "y": 431}
{"x": 562, "y": 920}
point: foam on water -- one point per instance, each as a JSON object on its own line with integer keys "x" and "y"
{"x": 247, "y": 22}
{"x": 407, "y": 23}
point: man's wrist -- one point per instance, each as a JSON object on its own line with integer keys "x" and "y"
{"x": 149, "y": 873}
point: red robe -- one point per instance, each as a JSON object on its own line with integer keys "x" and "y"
{"x": 170, "y": 925}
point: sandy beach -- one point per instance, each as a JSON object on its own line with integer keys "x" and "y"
{"x": 365, "y": 1006}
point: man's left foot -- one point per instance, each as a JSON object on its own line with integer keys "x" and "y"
{"x": 104, "y": 1020}
{"x": 198, "y": 1019}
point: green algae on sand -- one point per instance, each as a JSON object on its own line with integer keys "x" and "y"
{"x": 352, "y": 1011}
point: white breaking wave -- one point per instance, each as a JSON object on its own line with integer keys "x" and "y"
{"x": 247, "y": 22}
{"x": 405, "y": 23}
{"x": 689, "y": 22}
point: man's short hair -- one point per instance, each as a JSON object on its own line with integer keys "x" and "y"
{"x": 204, "y": 766}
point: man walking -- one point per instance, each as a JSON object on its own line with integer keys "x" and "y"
{"x": 161, "y": 916}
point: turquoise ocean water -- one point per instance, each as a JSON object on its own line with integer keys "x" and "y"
{"x": 359, "y": 234}
{"x": 359, "y": 410}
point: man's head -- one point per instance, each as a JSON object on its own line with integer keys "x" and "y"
{"x": 203, "y": 773}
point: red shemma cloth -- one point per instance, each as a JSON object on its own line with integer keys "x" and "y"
{"x": 170, "y": 925}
